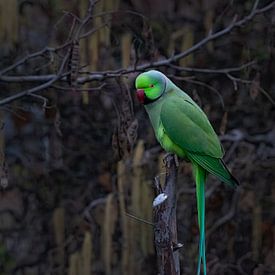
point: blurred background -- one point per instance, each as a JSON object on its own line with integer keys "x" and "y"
{"x": 77, "y": 161}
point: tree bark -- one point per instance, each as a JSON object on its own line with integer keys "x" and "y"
{"x": 165, "y": 222}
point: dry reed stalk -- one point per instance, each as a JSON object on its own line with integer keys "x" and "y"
{"x": 74, "y": 264}
{"x": 86, "y": 254}
{"x": 110, "y": 219}
{"x": 121, "y": 181}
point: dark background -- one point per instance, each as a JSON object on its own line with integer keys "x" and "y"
{"x": 71, "y": 170}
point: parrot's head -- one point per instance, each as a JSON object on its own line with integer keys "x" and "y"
{"x": 150, "y": 86}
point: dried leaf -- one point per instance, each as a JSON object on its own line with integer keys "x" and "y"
{"x": 57, "y": 123}
{"x": 254, "y": 88}
{"x": 73, "y": 64}
{"x": 132, "y": 133}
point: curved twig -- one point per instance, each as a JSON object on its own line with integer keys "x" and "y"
{"x": 50, "y": 79}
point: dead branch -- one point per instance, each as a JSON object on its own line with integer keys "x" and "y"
{"x": 51, "y": 78}
{"x": 200, "y": 83}
{"x": 236, "y": 80}
{"x": 39, "y": 54}
{"x": 80, "y": 89}
{"x": 213, "y": 71}
{"x": 37, "y": 88}
{"x": 165, "y": 223}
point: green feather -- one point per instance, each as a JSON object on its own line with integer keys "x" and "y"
{"x": 188, "y": 126}
{"x": 214, "y": 166}
{"x": 200, "y": 177}
{"x": 182, "y": 128}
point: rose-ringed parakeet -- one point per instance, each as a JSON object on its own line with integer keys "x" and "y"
{"x": 182, "y": 128}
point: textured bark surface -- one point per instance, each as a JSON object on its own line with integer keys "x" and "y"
{"x": 165, "y": 228}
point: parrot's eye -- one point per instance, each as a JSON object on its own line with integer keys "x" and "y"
{"x": 151, "y": 85}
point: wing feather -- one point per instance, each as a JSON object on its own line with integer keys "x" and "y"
{"x": 187, "y": 126}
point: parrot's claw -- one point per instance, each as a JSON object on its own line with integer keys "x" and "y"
{"x": 176, "y": 160}
{"x": 159, "y": 199}
{"x": 167, "y": 158}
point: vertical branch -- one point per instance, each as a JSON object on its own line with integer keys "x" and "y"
{"x": 165, "y": 228}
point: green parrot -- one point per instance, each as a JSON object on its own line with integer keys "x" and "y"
{"x": 182, "y": 128}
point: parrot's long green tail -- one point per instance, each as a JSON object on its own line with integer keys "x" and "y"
{"x": 200, "y": 177}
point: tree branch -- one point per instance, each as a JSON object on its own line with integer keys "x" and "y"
{"x": 37, "y": 88}
{"x": 165, "y": 223}
{"x": 94, "y": 76}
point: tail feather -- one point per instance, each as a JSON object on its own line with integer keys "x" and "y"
{"x": 216, "y": 167}
{"x": 200, "y": 177}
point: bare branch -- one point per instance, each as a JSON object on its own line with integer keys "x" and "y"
{"x": 211, "y": 88}
{"x": 114, "y": 73}
{"x": 236, "y": 80}
{"x": 44, "y": 99}
{"x": 214, "y": 71}
{"x": 80, "y": 89}
{"x": 25, "y": 59}
{"x": 40, "y": 53}
{"x": 51, "y": 78}
{"x": 234, "y": 24}
{"x": 37, "y": 88}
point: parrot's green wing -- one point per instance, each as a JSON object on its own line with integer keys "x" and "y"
{"x": 188, "y": 127}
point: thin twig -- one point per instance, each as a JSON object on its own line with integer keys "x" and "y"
{"x": 44, "y": 99}
{"x": 39, "y": 54}
{"x": 50, "y": 79}
{"x": 236, "y": 80}
{"x": 138, "y": 219}
{"x": 37, "y": 88}
{"x": 213, "y": 71}
{"x": 80, "y": 89}
{"x": 211, "y": 88}
{"x": 198, "y": 45}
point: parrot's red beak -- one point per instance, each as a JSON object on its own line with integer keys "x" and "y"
{"x": 141, "y": 96}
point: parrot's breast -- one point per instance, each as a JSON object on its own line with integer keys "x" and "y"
{"x": 167, "y": 144}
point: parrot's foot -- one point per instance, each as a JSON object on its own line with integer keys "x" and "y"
{"x": 176, "y": 160}
{"x": 168, "y": 157}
